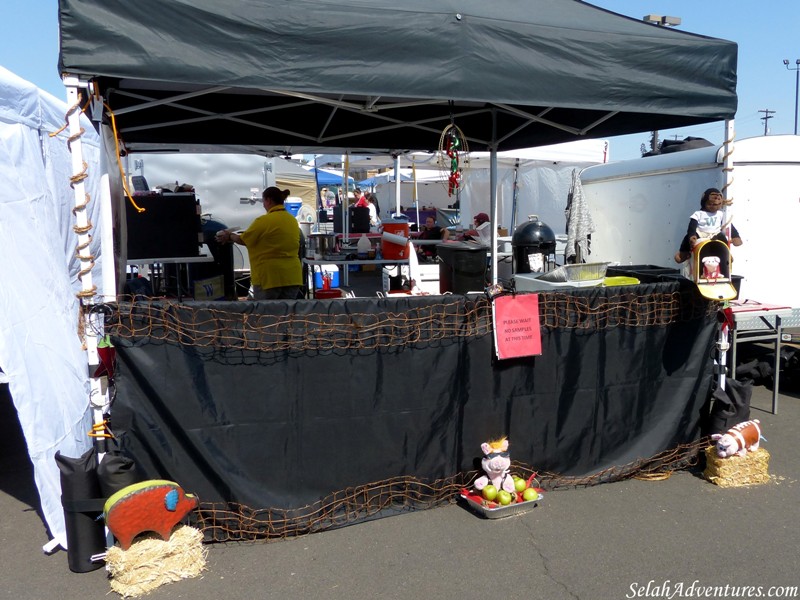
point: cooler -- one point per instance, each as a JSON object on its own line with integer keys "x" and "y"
{"x": 293, "y": 205}
{"x": 332, "y": 270}
{"x": 390, "y": 249}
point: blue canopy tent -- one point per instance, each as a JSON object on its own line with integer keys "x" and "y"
{"x": 328, "y": 178}
{"x": 387, "y": 177}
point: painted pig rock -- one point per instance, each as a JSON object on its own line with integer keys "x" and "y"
{"x": 155, "y": 505}
{"x": 496, "y": 464}
{"x": 738, "y": 439}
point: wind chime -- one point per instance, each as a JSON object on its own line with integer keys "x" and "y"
{"x": 452, "y": 146}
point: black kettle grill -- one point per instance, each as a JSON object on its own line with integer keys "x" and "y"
{"x": 534, "y": 247}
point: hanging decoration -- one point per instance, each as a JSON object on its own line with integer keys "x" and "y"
{"x": 452, "y": 147}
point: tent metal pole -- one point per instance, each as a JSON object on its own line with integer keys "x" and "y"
{"x": 319, "y": 203}
{"x": 727, "y": 171}
{"x": 346, "y": 203}
{"x": 396, "y": 158}
{"x": 93, "y": 329}
{"x": 514, "y": 197}
{"x": 727, "y": 192}
{"x": 416, "y": 196}
{"x": 493, "y": 207}
{"x": 493, "y": 195}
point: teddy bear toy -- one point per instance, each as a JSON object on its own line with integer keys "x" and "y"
{"x": 738, "y": 439}
{"x": 496, "y": 464}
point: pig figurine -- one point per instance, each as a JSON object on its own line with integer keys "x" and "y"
{"x": 711, "y": 267}
{"x": 155, "y": 505}
{"x": 738, "y": 439}
{"x": 496, "y": 464}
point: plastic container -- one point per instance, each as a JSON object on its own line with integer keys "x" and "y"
{"x": 390, "y": 249}
{"x": 363, "y": 247}
{"x": 293, "y": 205}
{"x": 328, "y": 294}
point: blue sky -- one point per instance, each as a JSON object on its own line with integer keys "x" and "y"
{"x": 766, "y": 33}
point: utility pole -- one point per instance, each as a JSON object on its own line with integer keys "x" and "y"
{"x": 796, "y": 69}
{"x": 767, "y": 116}
{"x": 662, "y": 21}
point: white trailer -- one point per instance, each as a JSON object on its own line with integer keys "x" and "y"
{"x": 641, "y": 210}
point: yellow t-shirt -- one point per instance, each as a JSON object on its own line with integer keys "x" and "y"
{"x": 273, "y": 243}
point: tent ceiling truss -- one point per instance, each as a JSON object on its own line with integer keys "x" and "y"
{"x": 374, "y": 114}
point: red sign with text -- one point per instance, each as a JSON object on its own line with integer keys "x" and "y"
{"x": 516, "y": 326}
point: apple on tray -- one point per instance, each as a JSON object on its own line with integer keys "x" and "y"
{"x": 530, "y": 494}
{"x": 489, "y": 492}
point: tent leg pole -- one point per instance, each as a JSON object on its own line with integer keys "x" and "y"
{"x": 92, "y": 321}
{"x": 493, "y": 207}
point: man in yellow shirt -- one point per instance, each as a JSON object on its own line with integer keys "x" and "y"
{"x": 273, "y": 244}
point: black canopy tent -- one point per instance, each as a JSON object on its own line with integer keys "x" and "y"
{"x": 326, "y": 75}
{"x": 369, "y": 75}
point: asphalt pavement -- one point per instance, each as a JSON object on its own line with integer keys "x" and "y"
{"x": 630, "y": 539}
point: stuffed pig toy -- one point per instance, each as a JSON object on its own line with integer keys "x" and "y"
{"x": 738, "y": 439}
{"x": 711, "y": 267}
{"x": 496, "y": 464}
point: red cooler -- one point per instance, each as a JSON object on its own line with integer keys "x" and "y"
{"x": 391, "y": 250}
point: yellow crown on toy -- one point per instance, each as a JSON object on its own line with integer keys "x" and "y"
{"x": 497, "y": 445}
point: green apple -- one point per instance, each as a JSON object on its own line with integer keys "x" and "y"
{"x": 489, "y": 492}
{"x": 504, "y": 497}
{"x": 530, "y": 494}
{"x": 520, "y": 484}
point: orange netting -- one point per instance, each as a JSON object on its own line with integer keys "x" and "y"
{"x": 391, "y": 324}
{"x": 221, "y": 522}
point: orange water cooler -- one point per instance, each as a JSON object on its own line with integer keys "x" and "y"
{"x": 392, "y": 246}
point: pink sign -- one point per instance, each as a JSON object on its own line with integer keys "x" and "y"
{"x": 516, "y": 326}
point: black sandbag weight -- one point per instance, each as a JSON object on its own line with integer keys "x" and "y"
{"x": 82, "y": 518}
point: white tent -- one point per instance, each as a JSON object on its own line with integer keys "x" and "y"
{"x": 543, "y": 178}
{"x": 40, "y": 349}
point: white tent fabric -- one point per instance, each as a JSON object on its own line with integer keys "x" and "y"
{"x": 544, "y": 180}
{"x": 40, "y": 350}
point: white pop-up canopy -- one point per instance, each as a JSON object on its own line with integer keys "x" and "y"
{"x": 40, "y": 347}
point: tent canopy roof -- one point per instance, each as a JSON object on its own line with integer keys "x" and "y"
{"x": 377, "y": 75}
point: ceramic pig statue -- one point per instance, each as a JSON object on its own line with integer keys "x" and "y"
{"x": 738, "y": 439}
{"x": 496, "y": 464}
{"x": 155, "y": 505}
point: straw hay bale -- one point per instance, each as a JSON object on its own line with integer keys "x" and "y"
{"x": 151, "y": 562}
{"x": 734, "y": 471}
